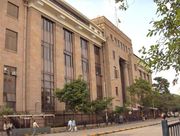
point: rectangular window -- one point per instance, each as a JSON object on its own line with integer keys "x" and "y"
{"x": 140, "y": 73}
{"x": 11, "y": 40}
{"x": 84, "y": 58}
{"x": 115, "y": 72}
{"x": 116, "y": 91}
{"x": 135, "y": 67}
{"x": 12, "y": 10}
{"x": 114, "y": 55}
{"x": 47, "y": 51}
{"x": 98, "y": 72}
{"x": 68, "y": 55}
{"x": 144, "y": 76}
{"x": 9, "y": 91}
{"x": 111, "y": 37}
{"x": 148, "y": 77}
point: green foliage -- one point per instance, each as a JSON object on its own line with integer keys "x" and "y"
{"x": 161, "y": 85}
{"x": 120, "y": 110}
{"x": 74, "y": 94}
{"x": 165, "y": 54}
{"x": 141, "y": 92}
{"x": 164, "y": 102}
{"x": 6, "y": 111}
{"x": 123, "y": 4}
{"x": 100, "y": 105}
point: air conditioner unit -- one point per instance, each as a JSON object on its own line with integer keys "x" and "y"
{"x": 13, "y": 73}
{"x": 6, "y": 71}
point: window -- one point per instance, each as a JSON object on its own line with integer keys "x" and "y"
{"x": 116, "y": 91}
{"x": 140, "y": 73}
{"x": 9, "y": 91}
{"x": 144, "y": 76}
{"x": 111, "y": 37}
{"x": 115, "y": 72}
{"x": 148, "y": 78}
{"x": 12, "y": 10}
{"x": 126, "y": 49}
{"x": 68, "y": 55}
{"x": 98, "y": 72}
{"x": 129, "y": 50}
{"x": 11, "y": 40}
{"x": 114, "y": 55}
{"x": 135, "y": 67}
{"x": 115, "y": 39}
{"x": 84, "y": 58}
{"x": 47, "y": 51}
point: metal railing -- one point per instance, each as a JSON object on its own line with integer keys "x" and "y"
{"x": 171, "y": 129}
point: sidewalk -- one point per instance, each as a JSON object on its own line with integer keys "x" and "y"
{"x": 111, "y": 128}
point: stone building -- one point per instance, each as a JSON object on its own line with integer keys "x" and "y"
{"x": 46, "y": 43}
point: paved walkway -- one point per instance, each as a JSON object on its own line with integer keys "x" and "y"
{"x": 110, "y": 129}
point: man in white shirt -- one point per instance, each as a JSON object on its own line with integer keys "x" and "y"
{"x": 35, "y": 126}
{"x": 70, "y": 125}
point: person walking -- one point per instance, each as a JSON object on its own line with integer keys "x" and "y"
{"x": 5, "y": 128}
{"x": 35, "y": 126}
{"x": 10, "y": 127}
{"x": 70, "y": 125}
{"x": 74, "y": 128}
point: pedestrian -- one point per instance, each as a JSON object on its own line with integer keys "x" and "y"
{"x": 70, "y": 125}
{"x": 5, "y": 128}
{"x": 35, "y": 126}
{"x": 10, "y": 127}
{"x": 164, "y": 116}
{"x": 120, "y": 119}
{"x": 74, "y": 128}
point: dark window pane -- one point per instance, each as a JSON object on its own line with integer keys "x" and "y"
{"x": 68, "y": 55}
{"x": 12, "y": 10}
{"x": 84, "y": 56}
{"x": 117, "y": 91}
{"x": 11, "y": 40}
{"x": 98, "y": 72}
{"x": 9, "y": 90}
{"x": 47, "y": 47}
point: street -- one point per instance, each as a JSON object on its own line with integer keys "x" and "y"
{"x": 145, "y": 131}
{"x": 143, "y": 128}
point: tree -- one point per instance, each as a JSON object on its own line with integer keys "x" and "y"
{"x": 161, "y": 85}
{"x": 120, "y": 110}
{"x": 164, "y": 54}
{"x": 140, "y": 92}
{"x": 165, "y": 102}
{"x": 75, "y": 95}
{"x": 5, "y": 110}
{"x": 99, "y": 105}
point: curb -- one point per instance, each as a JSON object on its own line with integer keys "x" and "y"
{"x": 125, "y": 129}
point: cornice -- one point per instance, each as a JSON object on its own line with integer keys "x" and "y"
{"x": 53, "y": 11}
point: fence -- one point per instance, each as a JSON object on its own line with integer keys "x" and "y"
{"x": 61, "y": 119}
{"x": 171, "y": 129}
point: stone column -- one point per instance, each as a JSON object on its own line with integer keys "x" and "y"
{"x": 77, "y": 56}
{"x": 126, "y": 77}
{"x": 33, "y": 87}
{"x": 92, "y": 72}
{"x": 126, "y": 73}
{"x": 59, "y": 63}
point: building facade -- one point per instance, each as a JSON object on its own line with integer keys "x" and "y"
{"x": 118, "y": 61}
{"x": 47, "y": 43}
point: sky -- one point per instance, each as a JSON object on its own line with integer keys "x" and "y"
{"x": 134, "y": 22}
